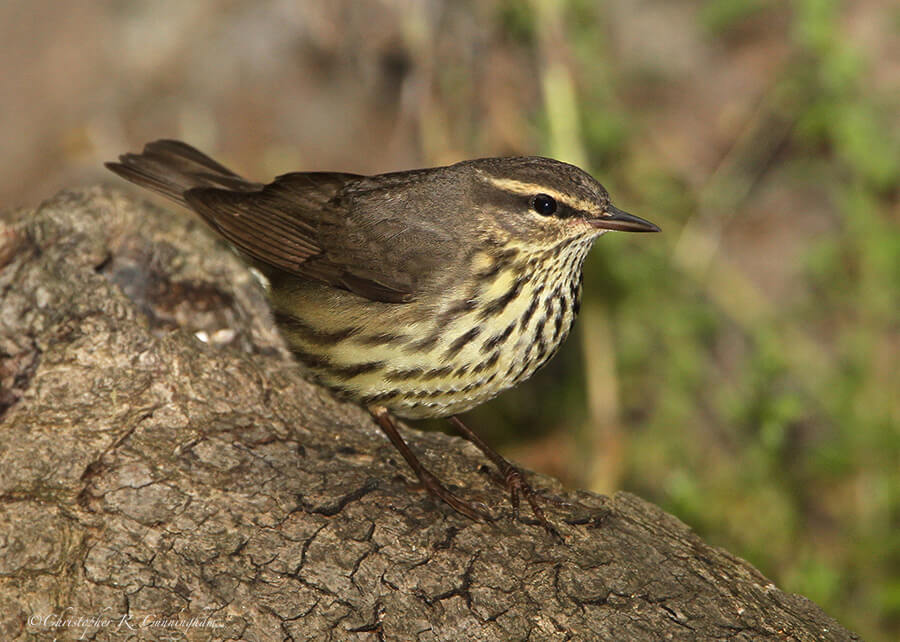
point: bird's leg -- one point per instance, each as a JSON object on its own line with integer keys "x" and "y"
{"x": 429, "y": 481}
{"x": 512, "y": 476}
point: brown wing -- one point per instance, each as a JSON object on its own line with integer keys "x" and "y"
{"x": 305, "y": 224}
{"x": 369, "y": 236}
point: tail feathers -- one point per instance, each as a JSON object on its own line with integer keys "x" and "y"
{"x": 171, "y": 168}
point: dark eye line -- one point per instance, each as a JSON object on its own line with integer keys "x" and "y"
{"x": 566, "y": 211}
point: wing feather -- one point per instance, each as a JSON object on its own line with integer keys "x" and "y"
{"x": 305, "y": 224}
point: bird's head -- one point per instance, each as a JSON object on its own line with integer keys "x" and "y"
{"x": 538, "y": 203}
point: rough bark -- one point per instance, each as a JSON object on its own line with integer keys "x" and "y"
{"x": 148, "y": 478}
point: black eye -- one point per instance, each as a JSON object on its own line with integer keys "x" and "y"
{"x": 543, "y": 204}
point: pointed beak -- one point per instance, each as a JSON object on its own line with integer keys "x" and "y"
{"x": 616, "y": 219}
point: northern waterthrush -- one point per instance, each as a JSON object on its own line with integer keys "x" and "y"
{"x": 421, "y": 293}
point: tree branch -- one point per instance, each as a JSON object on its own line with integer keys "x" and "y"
{"x": 148, "y": 477}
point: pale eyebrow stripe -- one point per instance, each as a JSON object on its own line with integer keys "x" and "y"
{"x": 530, "y": 189}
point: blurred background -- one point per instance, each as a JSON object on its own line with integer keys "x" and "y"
{"x": 739, "y": 369}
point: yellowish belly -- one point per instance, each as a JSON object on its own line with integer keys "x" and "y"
{"x": 431, "y": 359}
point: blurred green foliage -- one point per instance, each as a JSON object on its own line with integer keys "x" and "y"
{"x": 767, "y": 422}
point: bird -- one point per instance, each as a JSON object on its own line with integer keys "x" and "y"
{"x": 415, "y": 294}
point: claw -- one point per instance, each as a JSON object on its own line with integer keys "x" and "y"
{"x": 517, "y": 485}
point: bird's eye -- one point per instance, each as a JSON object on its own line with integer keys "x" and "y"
{"x": 543, "y": 204}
